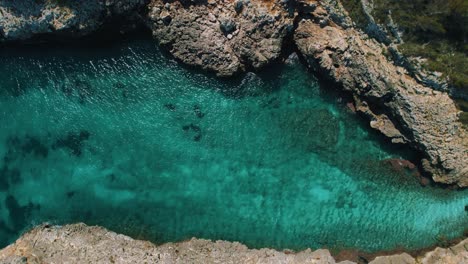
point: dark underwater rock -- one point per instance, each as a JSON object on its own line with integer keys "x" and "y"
{"x": 195, "y": 129}
{"x": 4, "y": 183}
{"x": 407, "y": 167}
{"x": 197, "y": 137}
{"x": 19, "y": 214}
{"x": 34, "y": 146}
{"x": 27, "y": 145}
{"x": 171, "y": 107}
{"x": 198, "y": 112}
{"x": 73, "y": 141}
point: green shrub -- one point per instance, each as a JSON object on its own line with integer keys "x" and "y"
{"x": 433, "y": 29}
{"x": 355, "y": 11}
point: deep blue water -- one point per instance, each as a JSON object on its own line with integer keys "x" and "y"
{"x": 126, "y": 138}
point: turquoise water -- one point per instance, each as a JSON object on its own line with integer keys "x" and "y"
{"x": 126, "y": 138}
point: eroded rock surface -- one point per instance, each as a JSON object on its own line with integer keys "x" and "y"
{"x": 79, "y": 243}
{"x": 82, "y": 244}
{"x": 224, "y": 37}
{"x": 397, "y": 105}
{"x": 20, "y": 20}
{"x": 231, "y": 36}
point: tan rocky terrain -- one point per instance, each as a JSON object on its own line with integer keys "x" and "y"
{"x": 398, "y": 106}
{"x": 79, "y": 243}
{"x": 228, "y": 37}
{"x": 222, "y": 36}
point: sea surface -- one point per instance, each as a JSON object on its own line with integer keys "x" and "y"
{"x": 124, "y": 137}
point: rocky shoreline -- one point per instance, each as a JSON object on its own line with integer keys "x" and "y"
{"x": 229, "y": 37}
{"x": 78, "y": 243}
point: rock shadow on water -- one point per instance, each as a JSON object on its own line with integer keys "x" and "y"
{"x": 9, "y": 177}
{"x": 19, "y": 215}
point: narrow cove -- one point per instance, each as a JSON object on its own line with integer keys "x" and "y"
{"x": 127, "y": 139}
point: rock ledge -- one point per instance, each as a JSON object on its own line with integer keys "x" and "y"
{"x": 78, "y": 243}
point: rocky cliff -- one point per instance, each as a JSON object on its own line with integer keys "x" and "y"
{"x": 22, "y": 20}
{"x": 79, "y": 243}
{"x": 396, "y": 104}
{"x": 228, "y": 37}
{"x": 225, "y": 37}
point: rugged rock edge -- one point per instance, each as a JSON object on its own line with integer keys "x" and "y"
{"x": 78, "y": 243}
{"x": 228, "y": 37}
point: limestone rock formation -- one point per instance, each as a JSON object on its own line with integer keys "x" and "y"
{"x": 227, "y": 37}
{"x": 82, "y": 244}
{"x": 398, "y": 106}
{"x": 403, "y": 258}
{"x": 79, "y": 243}
{"x": 224, "y": 37}
{"x": 20, "y": 20}
{"x": 453, "y": 255}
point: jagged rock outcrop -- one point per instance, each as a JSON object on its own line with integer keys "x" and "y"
{"x": 20, "y": 20}
{"x": 79, "y": 243}
{"x": 82, "y": 244}
{"x": 390, "y": 34}
{"x": 227, "y": 37}
{"x": 398, "y": 106}
{"x": 224, "y": 37}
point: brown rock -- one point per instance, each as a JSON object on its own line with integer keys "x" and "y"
{"x": 79, "y": 243}
{"x": 400, "y": 259}
{"x": 227, "y": 37}
{"x": 457, "y": 254}
{"x": 247, "y": 35}
{"x": 397, "y": 105}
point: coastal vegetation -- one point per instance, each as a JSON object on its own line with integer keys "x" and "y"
{"x": 436, "y": 30}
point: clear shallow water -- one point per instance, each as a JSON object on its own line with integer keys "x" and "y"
{"x": 125, "y": 138}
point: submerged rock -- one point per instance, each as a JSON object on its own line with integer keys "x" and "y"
{"x": 407, "y": 167}
{"x": 195, "y": 129}
{"x": 198, "y": 112}
{"x": 73, "y": 141}
{"x": 170, "y": 106}
{"x": 18, "y": 214}
{"x": 27, "y": 145}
